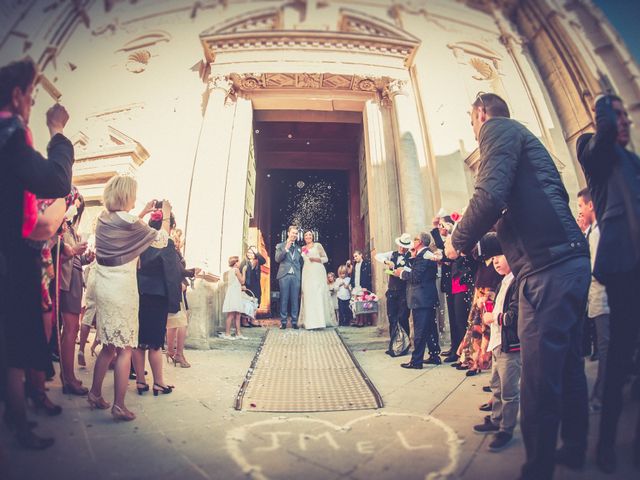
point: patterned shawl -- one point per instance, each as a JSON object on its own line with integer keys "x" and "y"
{"x": 118, "y": 242}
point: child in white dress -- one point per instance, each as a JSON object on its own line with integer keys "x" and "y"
{"x": 333, "y": 291}
{"x": 232, "y": 305}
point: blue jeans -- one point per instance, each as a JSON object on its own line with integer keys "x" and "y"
{"x": 289, "y": 291}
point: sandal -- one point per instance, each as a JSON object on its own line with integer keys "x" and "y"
{"x": 165, "y": 389}
{"x": 180, "y": 360}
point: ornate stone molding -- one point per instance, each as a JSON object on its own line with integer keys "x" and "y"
{"x": 244, "y": 83}
{"x": 102, "y": 151}
{"x": 262, "y": 30}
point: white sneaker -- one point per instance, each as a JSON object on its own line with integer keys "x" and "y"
{"x": 242, "y": 337}
{"x": 224, "y": 336}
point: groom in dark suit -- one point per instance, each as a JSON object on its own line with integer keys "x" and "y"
{"x": 289, "y": 276}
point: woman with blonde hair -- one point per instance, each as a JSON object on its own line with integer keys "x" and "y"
{"x": 120, "y": 239}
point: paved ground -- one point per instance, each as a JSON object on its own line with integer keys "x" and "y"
{"x": 424, "y": 430}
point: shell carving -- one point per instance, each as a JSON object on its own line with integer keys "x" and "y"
{"x": 485, "y": 70}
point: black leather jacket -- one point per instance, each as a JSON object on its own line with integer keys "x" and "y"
{"x": 519, "y": 189}
{"x": 613, "y": 175}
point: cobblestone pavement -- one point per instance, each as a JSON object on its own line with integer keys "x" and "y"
{"x": 423, "y": 431}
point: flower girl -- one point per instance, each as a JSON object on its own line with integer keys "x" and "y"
{"x": 232, "y": 305}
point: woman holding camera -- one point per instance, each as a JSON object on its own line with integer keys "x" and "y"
{"x": 120, "y": 239}
{"x": 160, "y": 286}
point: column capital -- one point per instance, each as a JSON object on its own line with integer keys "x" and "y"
{"x": 396, "y": 87}
{"x": 220, "y": 82}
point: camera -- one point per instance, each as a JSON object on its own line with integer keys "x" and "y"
{"x": 158, "y": 204}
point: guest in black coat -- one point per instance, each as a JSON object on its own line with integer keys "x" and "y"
{"x": 613, "y": 176}
{"x": 251, "y": 267}
{"x": 24, "y": 170}
{"x": 160, "y": 288}
{"x": 422, "y": 299}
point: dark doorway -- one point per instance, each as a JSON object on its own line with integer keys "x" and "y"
{"x": 308, "y": 174}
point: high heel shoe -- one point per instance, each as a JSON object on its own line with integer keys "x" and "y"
{"x": 180, "y": 360}
{"x": 42, "y": 403}
{"x": 97, "y": 402}
{"x": 171, "y": 358}
{"x": 73, "y": 389}
{"x": 144, "y": 388}
{"x": 165, "y": 389}
{"x": 120, "y": 413}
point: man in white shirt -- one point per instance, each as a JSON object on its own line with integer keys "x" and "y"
{"x": 597, "y": 306}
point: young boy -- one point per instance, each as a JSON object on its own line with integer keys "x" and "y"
{"x": 343, "y": 285}
{"x": 505, "y": 347}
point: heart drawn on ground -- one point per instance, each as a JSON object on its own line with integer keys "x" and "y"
{"x": 379, "y": 445}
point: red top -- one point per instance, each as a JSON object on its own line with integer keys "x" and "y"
{"x": 457, "y": 287}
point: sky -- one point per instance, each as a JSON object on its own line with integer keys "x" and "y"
{"x": 625, "y": 16}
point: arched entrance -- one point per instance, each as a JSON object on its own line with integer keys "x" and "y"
{"x": 356, "y": 76}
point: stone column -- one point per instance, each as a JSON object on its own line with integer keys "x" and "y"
{"x": 384, "y": 208}
{"x": 415, "y": 197}
{"x": 234, "y": 208}
{"x": 207, "y": 190}
{"x": 205, "y": 209}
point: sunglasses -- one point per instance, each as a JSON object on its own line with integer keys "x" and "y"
{"x": 479, "y": 97}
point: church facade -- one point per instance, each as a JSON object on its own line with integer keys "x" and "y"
{"x": 208, "y": 102}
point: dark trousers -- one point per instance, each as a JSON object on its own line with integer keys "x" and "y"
{"x": 344, "y": 313}
{"x": 289, "y": 292}
{"x": 624, "y": 325}
{"x": 425, "y": 333}
{"x": 589, "y": 338}
{"x": 461, "y": 308}
{"x": 397, "y": 311}
{"x": 553, "y": 383}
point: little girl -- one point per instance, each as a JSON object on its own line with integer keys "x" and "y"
{"x": 333, "y": 291}
{"x": 232, "y": 305}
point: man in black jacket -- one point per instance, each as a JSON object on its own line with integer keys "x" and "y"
{"x": 422, "y": 299}
{"x": 613, "y": 175}
{"x": 518, "y": 189}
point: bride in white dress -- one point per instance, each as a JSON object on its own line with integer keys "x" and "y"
{"x": 316, "y": 310}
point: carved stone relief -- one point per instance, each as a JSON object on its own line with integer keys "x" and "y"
{"x": 324, "y": 81}
{"x": 140, "y": 50}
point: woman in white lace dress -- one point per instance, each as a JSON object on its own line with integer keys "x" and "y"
{"x": 316, "y": 310}
{"x": 120, "y": 239}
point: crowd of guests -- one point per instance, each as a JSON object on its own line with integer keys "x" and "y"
{"x": 129, "y": 281}
{"x": 524, "y": 282}
{"x": 519, "y": 276}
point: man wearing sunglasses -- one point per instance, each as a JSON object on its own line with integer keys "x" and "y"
{"x": 519, "y": 190}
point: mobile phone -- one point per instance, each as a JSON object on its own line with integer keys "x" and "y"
{"x": 158, "y": 204}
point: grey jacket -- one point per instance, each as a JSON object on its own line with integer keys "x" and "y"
{"x": 288, "y": 261}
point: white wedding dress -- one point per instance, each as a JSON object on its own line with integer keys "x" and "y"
{"x": 316, "y": 310}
